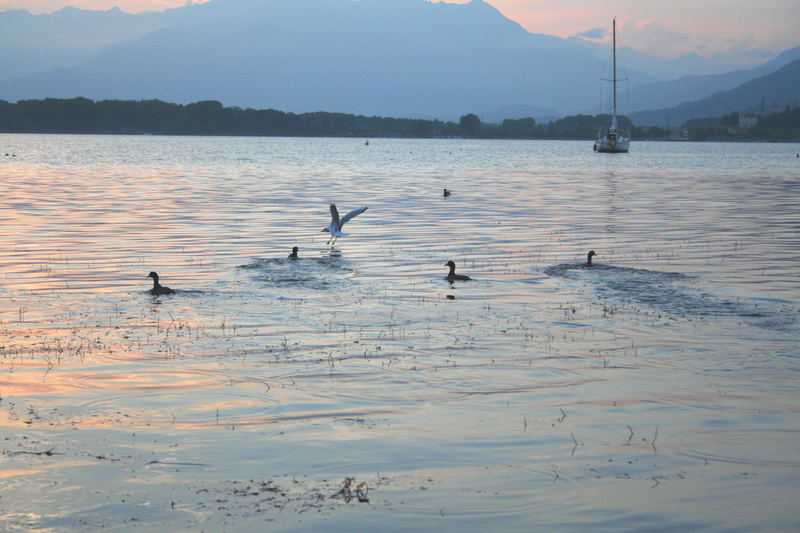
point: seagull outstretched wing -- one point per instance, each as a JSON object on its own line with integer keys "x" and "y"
{"x": 335, "y": 217}
{"x": 351, "y": 214}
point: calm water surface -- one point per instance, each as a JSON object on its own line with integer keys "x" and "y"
{"x": 656, "y": 391}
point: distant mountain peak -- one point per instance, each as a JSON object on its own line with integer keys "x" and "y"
{"x": 385, "y": 57}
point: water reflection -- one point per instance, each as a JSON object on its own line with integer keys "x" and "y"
{"x": 538, "y": 381}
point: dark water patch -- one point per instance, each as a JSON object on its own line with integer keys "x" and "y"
{"x": 322, "y": 273}
{"x": 673, "y": 294}
{"x": 580, "y": 271}
{"x": 191, "y": 293}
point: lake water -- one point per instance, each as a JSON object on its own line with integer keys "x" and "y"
{"x": 657, "y": 390}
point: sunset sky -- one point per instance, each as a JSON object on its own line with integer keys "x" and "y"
{"x": 667, "y": 29}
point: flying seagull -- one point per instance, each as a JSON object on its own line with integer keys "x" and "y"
{"x": 335, "y": 227}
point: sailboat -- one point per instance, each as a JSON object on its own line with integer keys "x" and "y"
{"x": 613, "y": 139}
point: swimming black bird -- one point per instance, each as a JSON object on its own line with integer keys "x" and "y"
{"x": 446, "y": 193}
{"x": 293, "y": 255}
{"x": 335, "y": 227}
{"x": 452, "y": 276}
{"x": 589, "y": 258}
{"x": 157, "y": 287}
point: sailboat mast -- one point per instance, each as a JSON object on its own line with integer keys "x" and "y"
{"x": 613, "y": 140}
{"x": 614, "y": 80}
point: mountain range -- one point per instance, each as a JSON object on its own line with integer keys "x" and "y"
{"x": 663, "y": 94}
{"x": 404, "y": 58}
{"x": 770, "y": 92}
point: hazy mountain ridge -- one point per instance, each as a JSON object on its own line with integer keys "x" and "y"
{"x": 656, "y": 68}
{"x": 665, "y": 94}
{"x": 405, "y": 58}
{"x": 774, "y": 90}
{"x": 31, "y": 44}
{"x": 389, "y": 58}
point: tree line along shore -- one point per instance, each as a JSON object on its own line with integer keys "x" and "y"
{"x": 85, "y": 116}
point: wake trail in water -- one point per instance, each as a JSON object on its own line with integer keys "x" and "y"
{"x": 308, "y": 273}
{"x": 673, "y": 294}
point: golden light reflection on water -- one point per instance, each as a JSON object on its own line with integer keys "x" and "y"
{"x": 6, "y": 474}
{"x": 689, "y": 322}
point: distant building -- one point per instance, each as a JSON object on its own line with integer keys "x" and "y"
{"x": 748, "y": 121}
{"x": 679, "y": 134}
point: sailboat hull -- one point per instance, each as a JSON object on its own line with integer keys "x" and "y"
{"x": 616, "y": 146}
